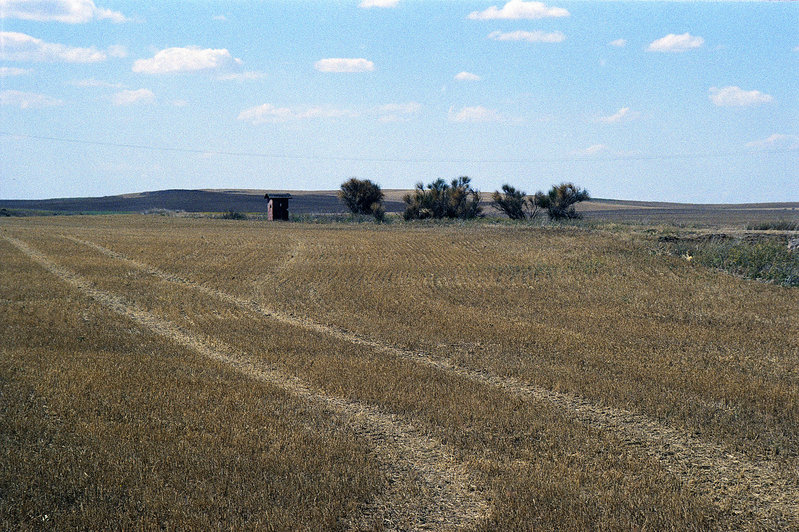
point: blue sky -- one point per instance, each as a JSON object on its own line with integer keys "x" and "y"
{"x": 666, "y": 101}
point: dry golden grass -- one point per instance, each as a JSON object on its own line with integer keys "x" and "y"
{"x": 103, "y": 425}
{"x": 595, "y": 316}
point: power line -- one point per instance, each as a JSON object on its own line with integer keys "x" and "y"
{"x": 632, "y": 157}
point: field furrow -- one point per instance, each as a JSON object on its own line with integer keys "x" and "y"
{"x": 759, "y": 488}
{"x": 553, "y": 378}
{"x": 445, "y": 497}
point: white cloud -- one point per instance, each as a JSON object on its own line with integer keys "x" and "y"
{"x": 398, "y": 112}
{"x": 474, "y": 114}
{"x": 378, "y": 3}
{"x": 242, "y": 76}
{"x": 676, "y": 43}
{"x": 128, "y": 97}
{"x": 622, "y": 114}
{"x": 180, "y": 103}
{"x": 189, "y": 59}
{"x": 343, "y": 64}
{"x": 529, "y": 36}
{"x": 22, "y": 47}
{"x": 265, "y": 113}
{"x": 268, "y": 113}
{"x": 390, "y": 119}
{"x": 68, "y": 11}
{"x": 592, "y": 150}
{"x": 467, "y": 76}
{"x": 220, "y": 18}
{"x": 13, "y": 71}
{"x": 113, "y": 16}
{"x": 776, "y": 141}
{"x": 519, "y": 9}
{"x": 324, "y": 112}
{"x": 28, "y": 100}
{"x": 402, "y": 108}
{"x": 90, "y": 83}
{"x": 618, "y": 43}
{"x": 736, "y": 97}
{"x": 117, "y": 50}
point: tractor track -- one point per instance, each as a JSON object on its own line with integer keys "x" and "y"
{"x": 755, "y": 489}
{"x": 449, "y": 500}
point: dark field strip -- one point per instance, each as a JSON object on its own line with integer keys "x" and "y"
{"x": 327, "y": 202}
{"x": 769, "y": 493}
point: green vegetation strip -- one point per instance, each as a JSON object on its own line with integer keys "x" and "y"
{"x": 765, "y": 260}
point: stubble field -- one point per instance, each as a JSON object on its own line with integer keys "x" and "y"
{"x": 199, "y": 373}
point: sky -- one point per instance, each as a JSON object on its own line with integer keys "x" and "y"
{"x": 662, "y": 101}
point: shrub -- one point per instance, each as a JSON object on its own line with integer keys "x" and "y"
{"x": 361, "y": 196}
{"x": 510, "y": 201}
{"x": 515, "y": 203}
{"x": 443, "y": 200}
{"x": 560, "y": 200}
{"x": 234, "y": 215}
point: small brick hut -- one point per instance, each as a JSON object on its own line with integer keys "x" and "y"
{"x": 278, "y": 206}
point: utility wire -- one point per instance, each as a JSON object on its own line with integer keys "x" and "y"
{"x": 672, "y": 156}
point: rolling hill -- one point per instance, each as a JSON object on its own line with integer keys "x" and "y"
{"x": 326, "y": 202}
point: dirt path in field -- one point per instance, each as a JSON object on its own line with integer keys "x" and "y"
{"x": 758, "y": 490}
{"x": 428, "y": 489}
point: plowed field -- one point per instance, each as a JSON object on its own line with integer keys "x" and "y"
{"x": 201, "y": 373}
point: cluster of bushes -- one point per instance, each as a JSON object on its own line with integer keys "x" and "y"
{"x": 558, "y": 203}
{"x": 443, "y": 200}
{"x": 459, "y": 200}
{"x": 361, "y": 196}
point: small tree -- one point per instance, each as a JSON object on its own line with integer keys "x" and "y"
{"x": 463, "y": 201}
{"x": 515, "y": 203}
{"x": 361, "y": 196}
{"x": 560, "y": 200}
{"x": 443, "y": 200}
{"x": 511, "y": 201}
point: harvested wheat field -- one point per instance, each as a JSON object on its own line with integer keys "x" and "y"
{"x": 162, "y": 372}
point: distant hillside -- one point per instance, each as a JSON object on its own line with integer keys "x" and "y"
{"x": 249, "y": 201}
{"x": 326, "y": 202}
